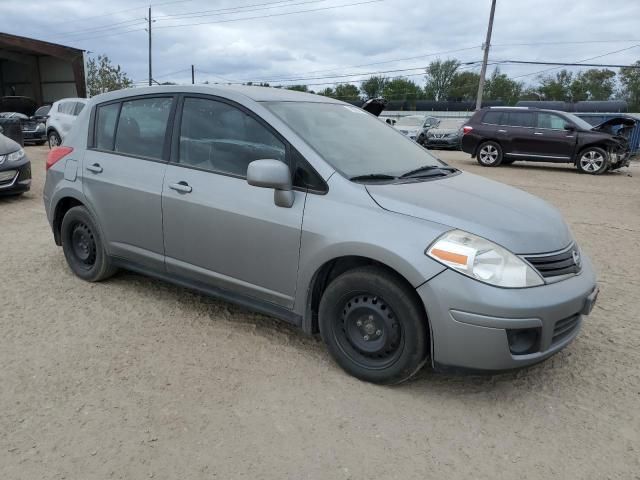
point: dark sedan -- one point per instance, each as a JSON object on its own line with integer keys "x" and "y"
{"x": 15, "y": 168}
{"x": 448, "y": 134}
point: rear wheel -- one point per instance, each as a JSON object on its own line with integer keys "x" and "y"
{"x": 373, "y": 326}
{"x": 490, "y": 154}
{"x": 83, "y": 247}
{"x": 593, "y": 160}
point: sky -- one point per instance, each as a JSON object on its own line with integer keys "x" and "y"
{"x": 265, "y": 41}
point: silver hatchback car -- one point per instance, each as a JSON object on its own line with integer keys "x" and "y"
{"x": 314, "y": 211}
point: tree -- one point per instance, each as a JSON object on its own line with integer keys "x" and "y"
{"x": 593, "y": 84}
{"x": 500, "y": 87}
{"x": 347, "y": 92}
{"x": 373, "y": 87}
{"x": 439, "y": 77}
{"x": 556, "y": 87}
{"x": 103, "y": 76}
{"x": 630, "y": 86}
{"x": 298, "y": 88}
{"x": 328, "y": 92}
{"x": 402, "y": 89}
{"x": 464, "y": 86}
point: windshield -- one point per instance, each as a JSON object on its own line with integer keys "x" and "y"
{"x": 352, "y": 141}
{"x": 412, "y": 121}
{"x": 580, "y": 123}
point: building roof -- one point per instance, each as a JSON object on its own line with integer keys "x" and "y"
{"x": 31, "y": 46}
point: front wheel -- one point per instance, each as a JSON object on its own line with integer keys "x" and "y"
{"x": 373, "y": 326}
{"x": 54, "y": 139}
{"x": 593, "y": 160}
{"x": 490, "y": 154}
{"x": 83, "y": 247}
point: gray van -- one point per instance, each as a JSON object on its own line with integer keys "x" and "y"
{"x": 313, "y": 211}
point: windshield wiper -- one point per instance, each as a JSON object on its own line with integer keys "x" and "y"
{"x": 373, "y": 176}
{"x": 428, "y": 171}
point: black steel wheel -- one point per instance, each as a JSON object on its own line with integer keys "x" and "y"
{"x": 374, "y": 326}
{"x": 83, "y": 246}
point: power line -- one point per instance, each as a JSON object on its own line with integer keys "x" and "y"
{"x": 206, "y": 13}
{"x": 274, "y": 14}
{"x": 579, "y": 62}
{"x": 605, "y": 65}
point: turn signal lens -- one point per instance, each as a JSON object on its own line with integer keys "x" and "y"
{"x": 56, "y": 154}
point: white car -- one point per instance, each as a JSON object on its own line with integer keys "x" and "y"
{"x": 62, "y": 115}
{"x": 416, "y": 126}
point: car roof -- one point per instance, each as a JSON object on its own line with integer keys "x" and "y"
{"x": 522, "y": 109}
{"x": 258, "y": 94}
{"x": 70, "y": 99}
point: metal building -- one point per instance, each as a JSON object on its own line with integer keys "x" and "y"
{"x": 40, "y": 70}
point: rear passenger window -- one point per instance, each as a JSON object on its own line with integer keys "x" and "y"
{"x": 518, "y": 119}
{"x": 106, "y": 117}
{"x": 142, "y": 127}
{"x": 493, "y": 118}
{"x": 549, "y": 120}
{"x": 218, "y": 137}
{"x": 66, "y": 107}
{"x": 78, "y": 108}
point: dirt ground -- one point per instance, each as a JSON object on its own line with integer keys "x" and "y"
{"x": 134, "y": 378}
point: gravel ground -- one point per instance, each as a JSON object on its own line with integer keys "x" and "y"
{"x": 134, "y": 378}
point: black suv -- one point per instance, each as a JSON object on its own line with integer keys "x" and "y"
{"x": 502, "y": 135}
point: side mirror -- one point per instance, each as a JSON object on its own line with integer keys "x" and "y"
{"x": 272, "y": 174}
{"x": 569, "y": 127}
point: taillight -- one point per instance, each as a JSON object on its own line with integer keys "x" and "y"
{"x": 56, "y": 154}
{"x": 466, "y": 129}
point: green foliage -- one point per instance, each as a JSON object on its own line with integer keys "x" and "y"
{"x": 556, "y": 87}
{"x": 630, "y": 86}
{"x": 347, "y": 92}
{"x": 402, "y": 89}
{"x": 439, "y": 77}
{"x": 500, "y": 87}
{"x": 593, "y": 84}
{"x": 103, "y": 76}
{"x": 328, "y": 92}
{"x": 373, "y": 87}
{"x": 298, "y": 88}
{"x": 464, "y": 86}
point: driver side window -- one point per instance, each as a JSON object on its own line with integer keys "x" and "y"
{"x": 219, "y": 137}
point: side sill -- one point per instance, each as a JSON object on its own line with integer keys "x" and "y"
{"x": 245, "y": 301}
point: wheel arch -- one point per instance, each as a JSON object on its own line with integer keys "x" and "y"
{"x": 335, "y": 267}
{"x": 597, "y": 144}
{"x": 485, "y": 140}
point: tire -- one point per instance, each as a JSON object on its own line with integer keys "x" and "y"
{"x": 83, "y": 247}
{"x": 53, "y": 138}
{"x": 489, "y": 154}
{"x": 592, "y": 160}
{"x": 373, "y": 326}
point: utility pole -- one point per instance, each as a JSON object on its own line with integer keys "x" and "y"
{"x": 485, "y": 58}
{"x": 193, "y": 75}
{"x": 149, "y": 30}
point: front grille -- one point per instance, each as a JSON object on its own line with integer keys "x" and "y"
{"x": 564, "y": 327}
{"x": 557, "y": 264}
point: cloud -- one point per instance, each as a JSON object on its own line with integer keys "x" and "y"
{"x": 334, "y": 39}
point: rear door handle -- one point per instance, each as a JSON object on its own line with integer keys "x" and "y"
{"x": 182, "y": 187}
{"x": 95, "y": 168}
{"x": 538, "y": 133}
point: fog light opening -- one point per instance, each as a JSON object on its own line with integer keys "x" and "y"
{"x": 523, "y": 341}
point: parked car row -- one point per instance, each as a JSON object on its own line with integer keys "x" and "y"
{"x": 48, "y": 123}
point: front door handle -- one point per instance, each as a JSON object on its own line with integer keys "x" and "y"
{"x": 182, "y": 187}
{"x": 538, "y": 133}
{"x": 95, "y": 168}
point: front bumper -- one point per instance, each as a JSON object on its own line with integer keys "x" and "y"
{"x": 469, "y": 319}
{"x": 442, "y": 142}
{"x": 34, "y": 136}
{"x": 15, "y": 177}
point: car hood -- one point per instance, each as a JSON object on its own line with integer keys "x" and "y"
{"x": 625, "y": 121}
{"x": 407, "y": 128}
{"x": 521, "y": 222}
{"x": 7, "y": 145}
{"x": 24, "y": 105}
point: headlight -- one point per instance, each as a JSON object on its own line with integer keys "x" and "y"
{"x": 483, "y": 260}
{"x": 15, "y": 156}
{"x": 40, "y": 126}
